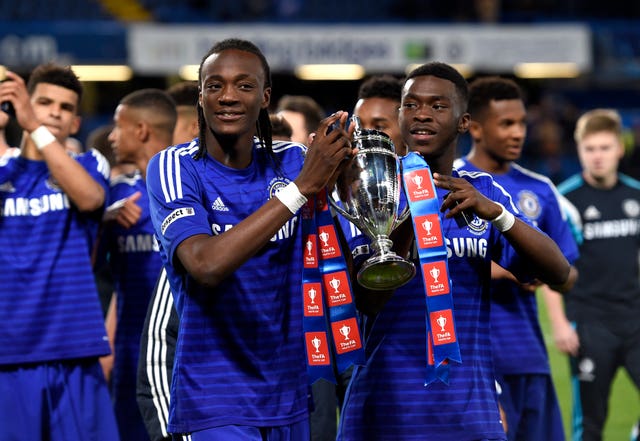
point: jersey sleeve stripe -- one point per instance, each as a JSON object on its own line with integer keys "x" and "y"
{"x": 177, "y": 174}
{"x": 170, "y": 160}
{"x": 163, "y": 182}
{"x": 157, "y": 351}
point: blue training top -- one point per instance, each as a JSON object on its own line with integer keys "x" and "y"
{"x": 517, "y": 342}
{"x": 387, "y": 398}
{"x": 135, "y": 263}
{"x": 240, "y": 357}
{"x": 48, "y": 292}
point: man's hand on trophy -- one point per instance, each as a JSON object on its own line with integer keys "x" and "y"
{"x": 327, "y": 156}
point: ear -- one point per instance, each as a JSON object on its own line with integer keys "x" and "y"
{"x": 75, "y": 125}
{"x": 621, "y": 148}
{"x": 266, "y": 98}
{"x": 143, "y": 131}
{"x": 463, "y": 123}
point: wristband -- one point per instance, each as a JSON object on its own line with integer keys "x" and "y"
{"x": 505, "y": 220}
{"x": 291, "y": 197}
{"x": 42, "y": 137}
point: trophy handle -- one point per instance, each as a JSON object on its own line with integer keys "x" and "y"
{"x": 403, "y": 216}
{"x": 341, "y": 210}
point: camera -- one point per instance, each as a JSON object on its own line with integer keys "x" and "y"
{"x": 6, "y": 106}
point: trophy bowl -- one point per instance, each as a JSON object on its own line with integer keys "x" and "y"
{"x": 369, "y": 194}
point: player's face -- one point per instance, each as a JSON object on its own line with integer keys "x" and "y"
{"x": 600, "y": 154}
{"x": 124, "y": 136}
{"x": 233, "y": 92}
{"x": 431, "y": 116}
{"x": 501, "y": 129}
{"x": 381, "y": 114}
{"x": 56, "y": 107}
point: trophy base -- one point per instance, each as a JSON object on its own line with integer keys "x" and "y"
{"x": 381, "y": 273}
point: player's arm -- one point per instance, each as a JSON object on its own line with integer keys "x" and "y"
{"x": 210, "y": 259}
{"x": 564, "y": 334}
{"x": 110, "y": 323}
{"x": 537, "y": 250}
{"x": 75, "y": 181}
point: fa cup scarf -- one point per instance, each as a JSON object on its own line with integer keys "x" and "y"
{"x": 331, "y": 331}
{"x": 442, "y": 344}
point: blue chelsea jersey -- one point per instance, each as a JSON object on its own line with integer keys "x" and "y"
{"x": 517, "y": 341}
{"x": 240, "y": 353}
{"x": 387, "y": 397}
{"x": 48, "y": 292}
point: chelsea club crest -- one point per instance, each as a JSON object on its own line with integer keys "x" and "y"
{"x": 477, "y": 226}
{"x": 277, "y": 184}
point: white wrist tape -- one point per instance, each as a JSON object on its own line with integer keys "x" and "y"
{"x": 505, "y": 220}
{"x": 42, "y": 137}
{"x": 291, "y": 197}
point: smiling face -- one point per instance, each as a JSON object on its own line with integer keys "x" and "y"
{"x": 232, "y": 93}
{"x": 431, "y": 116}
{"x": 499, "y": 131}
{"x": 56, "y": 107}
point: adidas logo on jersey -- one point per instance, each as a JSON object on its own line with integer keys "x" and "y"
{"x": 218, "y": 205}
{"x": 591, "y": 213}
{"x": 8, "y": 187}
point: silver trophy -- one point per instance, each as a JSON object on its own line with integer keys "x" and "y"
{"x": 369, "y": 195}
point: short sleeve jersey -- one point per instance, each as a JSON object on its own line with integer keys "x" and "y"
{"x": 608, "y": 285}
{"x": 240, "y": 354}
{"x": 135, "y": 263}
{"x": 48, "y": 292}
{"x": 516, "y": 338}
{"x": 387, "y": 397}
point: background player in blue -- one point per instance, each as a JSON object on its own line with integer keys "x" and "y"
{"x": 604, "y": 304}
{"x": 160, "y": 330}
{"x": 224, "y": 209}
{"x": 143, "y": 125}
{"x": 387, "y": 398}
{"x": 51, "y": 383}
{"x": 498, "y": 129}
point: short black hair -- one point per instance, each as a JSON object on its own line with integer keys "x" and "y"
{"x": 163, "y": 106}
{"x": 184, "y": 93}
{"x": 263, "y": 125}
{"x": 381, "y": 86}
{"x": 55, "y": 74}
{"x": 486, "y": 89}
{"x": 446, "y": 72}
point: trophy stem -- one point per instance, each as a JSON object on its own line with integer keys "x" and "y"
{"x": 382, "y": 245}
{"x": 385, "y": 269}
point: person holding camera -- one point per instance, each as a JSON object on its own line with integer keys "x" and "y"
{"x": 53, "y": 333}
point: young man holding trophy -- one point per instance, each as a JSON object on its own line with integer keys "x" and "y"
{"x": 226, "y": 210}
{"x": 428, "y": 371}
